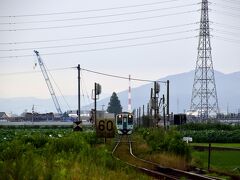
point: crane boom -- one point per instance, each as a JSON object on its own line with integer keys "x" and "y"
{"x": 49, "y": 85}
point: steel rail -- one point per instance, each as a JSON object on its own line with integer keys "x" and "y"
{"x": 158, "y": 171}
{"x": 152, "y": 173}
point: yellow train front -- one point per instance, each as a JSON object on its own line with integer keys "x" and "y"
{"x": 124, "y": 123}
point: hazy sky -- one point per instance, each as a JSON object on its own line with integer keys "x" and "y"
{"x": 168, "y": 28}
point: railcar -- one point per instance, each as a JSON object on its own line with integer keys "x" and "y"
{"x": 124, "y": 123}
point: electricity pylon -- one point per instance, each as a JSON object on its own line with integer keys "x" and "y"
{"x": 204, "y": 94}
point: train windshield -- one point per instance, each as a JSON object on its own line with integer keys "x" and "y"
{"x": 119, "y": 119}
{"x": 130, "y": 119}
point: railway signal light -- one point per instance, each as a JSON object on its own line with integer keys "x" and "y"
{"x": 156, "y": 87}
{"x": 98, "y": 89}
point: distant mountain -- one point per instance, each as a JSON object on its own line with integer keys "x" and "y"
{"x": 228, "y": 91}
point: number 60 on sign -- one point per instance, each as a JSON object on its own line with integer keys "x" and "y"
{"x": 105, "y": 128}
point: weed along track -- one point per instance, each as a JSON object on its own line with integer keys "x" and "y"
{"x": 123, "y": 152}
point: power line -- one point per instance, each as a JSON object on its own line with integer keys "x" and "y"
{"x": 227, "y": 32}
{"x": 231, "y": 1}
{"x": 89, "y": 10}
{"x": 226, "y": 25}
{"x": 100, "y": 23}
{"x": 120, "y": 77}
{"x": 101, "y": 49}
{"x": 84, "y": 69}
{"x": 97, "y": 36}
{"x": 227, "y": 39}
{"x": 226, "y": 6}
{"x": 226, "y": 13}
{"x": 101, "y": 16}
{"x": 99, "y": 42}
{"x": 32, "y": 72}
{"x": 59, "y": 90}
{"x": 85, "y": 88}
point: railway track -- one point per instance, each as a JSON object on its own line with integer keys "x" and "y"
{"x": 123, "y": 152}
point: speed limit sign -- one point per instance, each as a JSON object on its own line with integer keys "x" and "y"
{"x": 105, "y": 128}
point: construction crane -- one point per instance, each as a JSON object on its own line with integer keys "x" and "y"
{"x": 49, "y": 85}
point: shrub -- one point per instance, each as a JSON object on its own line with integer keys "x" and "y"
{"x": 168, "y": 141}
{"x": 214, "y": 136}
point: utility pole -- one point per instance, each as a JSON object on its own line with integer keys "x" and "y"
{"x": 168, "y": 101}
{"x": 32, "y": 113}
{"x": 164, "y": 116}
{"x": 137, "y": 118}
{"x": 151, "y": 114}
{"x": 156, "y": 97}
{"x": 148, "y": 111}
{"x": 155, "y": 102}
{"x": 139, "y": 111}
{"x": 79, "y": 93}
{"x": 78, "y": 123}
{"x": 95, "y": 104}
{"x": 204, "y": 94}
{"x": 143, "y": 111}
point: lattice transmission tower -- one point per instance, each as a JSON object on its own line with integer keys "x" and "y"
{"x": 204, "y": 94}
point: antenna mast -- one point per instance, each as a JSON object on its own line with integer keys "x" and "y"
{"x": 129, "y": 96}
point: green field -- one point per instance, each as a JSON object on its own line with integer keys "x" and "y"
{"x": 224, "y": 161}
{"x": 220, "y": 135}
{"x": 228, "y": 145}
{"x": 59, "y": 154}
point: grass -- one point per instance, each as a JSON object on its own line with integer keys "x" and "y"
{"x": 229, "y": 145}
{"x": 168, "y": 160}
{"x": 143, "y": 150}
{"x": 224, "y": 161}
{"x": 64, "y": 154}
{"x": 58, "y": 154}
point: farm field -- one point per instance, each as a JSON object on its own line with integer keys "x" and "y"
{"x": 221, "y": 161}
{"x": 58, "y": 154}
{"x": 228, "y": 145}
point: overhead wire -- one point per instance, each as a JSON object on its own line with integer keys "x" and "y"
{"x": 99, "y": 42}
{"x": 99, "y": 36}
{"x": 226, "y": 6}
{"x": 32, "y": 72}
{"x": 99, "y": 73}
{"x": 99, "y": 16}
{"x": 82, "y": 92}
{"x": 101, "y": 49}
{"x": 55, "y": 69}
{"x": 227, "y": 39}
{"x": 99, "y": 23}
{"x": 85, "y": 87}
{"x": 226, "y": 13}
{"x": 226, "y": 26}
{"x": 59, "y": 90}
{"x": 231, "y": 1}
{"x": 227, "y": 32}
{"x": 120, "y": 77}
{"x": 89, "y": 10}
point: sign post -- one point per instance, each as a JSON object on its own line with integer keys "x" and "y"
{"x": 105, "y": 128}
{"x": 209, "y": 155}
